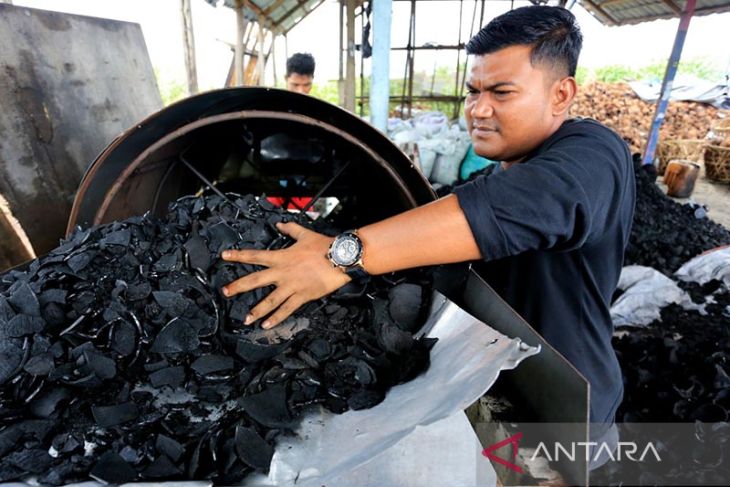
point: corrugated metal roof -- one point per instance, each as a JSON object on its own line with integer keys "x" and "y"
{"x": 624, "y": 12}
{"x": 279, "y": 15}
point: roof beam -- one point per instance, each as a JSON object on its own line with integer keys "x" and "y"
{"x": 673, "y": 6}
{"x": 306, "y": 12}
{"x": 300, "y": 3}
{"x": 273, "y": 6}
{"x": 601, "y": 13}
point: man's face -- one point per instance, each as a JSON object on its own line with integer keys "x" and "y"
{"x": 510, "y": 107}
{"x": 301, "y": 83}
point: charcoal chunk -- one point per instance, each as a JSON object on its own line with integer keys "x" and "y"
{"x": 161, "y": 467}
{"x": 22, "y": 325}
{"x": 169, "y": 447}
{"x": 208, "y": 364}
{"x": 120, "y": 237}
{"x": 405, "y": 305}
{"x": 253, "y": 450}
{"x": 112, "y": 469}
{"x": 48, "y": 401}
{"x": 103, "y": 367}
{"x": 10, "y": 357}
{"x": 365, "y": 398}
{"x": 269, "y": 407}
{"x": 53, "y": 296}
{"x": 177, "y": 336}
{"x": 80, "y": 261}
{"x": 139, "y": 290}
{"x": 253, "y": 352}
{"x": 25, "y": 301}
{"x": 198, "y": 253}
{"x": 394, "y": 339}
{"x": 124, "y": 338}
{"x": 170, "y": 376}
{"x": 173, "y": 302}
{"x": 41, "y": 364}
{"x": 30, "y": 460}
{"x": 106, "y": 416}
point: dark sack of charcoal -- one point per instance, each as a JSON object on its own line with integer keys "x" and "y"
{"x": 120, "y": 360}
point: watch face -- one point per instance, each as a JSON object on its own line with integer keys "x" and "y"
{"x": 345, "y": 251}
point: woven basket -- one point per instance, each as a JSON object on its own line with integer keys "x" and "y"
{"x": 721, "y": 128}
{"x": 687, "y": 149}
{"x": 717, "y": 163}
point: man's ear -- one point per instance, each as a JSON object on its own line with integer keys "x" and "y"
{"x": 562, "y": 95}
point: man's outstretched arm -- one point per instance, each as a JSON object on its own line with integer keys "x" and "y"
{"x": 437, "y": 233}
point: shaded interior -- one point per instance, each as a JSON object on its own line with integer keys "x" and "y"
{"x": 287, "y": 159}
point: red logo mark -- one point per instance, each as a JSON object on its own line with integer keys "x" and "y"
{"x": 512, "y": 440}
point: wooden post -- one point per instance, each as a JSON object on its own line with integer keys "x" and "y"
{"x": 350, "y": 65}
{"x": 189, "y": 46}
{"x": 238, "y": 51}
{"x": 340, "y": 64}
{"x": 14, "y": 245}
{"x": 273, "y": 55}
{"x": 261, "y": 64}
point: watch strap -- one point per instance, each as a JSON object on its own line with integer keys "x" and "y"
{"x": 357, "y": 273}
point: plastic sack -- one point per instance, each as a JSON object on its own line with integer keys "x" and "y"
{"x": 452, "y": 152}
{"x": 430, "y": 124}
{"x": 646, "y": 292}
{"x": 708, "y": 266}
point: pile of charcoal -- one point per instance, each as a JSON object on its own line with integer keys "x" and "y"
{"x": 676, "y": 370}
{"x": 666, "y": 234}
{"x": 120, "y": 359}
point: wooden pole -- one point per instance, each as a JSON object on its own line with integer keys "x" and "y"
{"x": 273, "y": 55}
{"x": 238, "y": 51}
{"x": 350, "y": 64}
{"x": 341, "y": 66}
{"x": 189, "y": 46}
{"x": 261, "y": 64}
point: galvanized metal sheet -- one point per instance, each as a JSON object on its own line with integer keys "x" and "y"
{"x": 68, "y": 85}
{"x": 625, "y": 12}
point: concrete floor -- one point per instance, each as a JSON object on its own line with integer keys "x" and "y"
{"x": 715, "y": 196}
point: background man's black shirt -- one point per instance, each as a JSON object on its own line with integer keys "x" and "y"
{"x": 553, "y": 230}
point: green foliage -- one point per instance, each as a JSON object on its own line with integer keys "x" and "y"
{"x": 171, "y": 90}
{"x": 699, "y": 67}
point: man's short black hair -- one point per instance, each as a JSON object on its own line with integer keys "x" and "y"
{"x": 552, "y": 31}
{"x": 300, "y": 63}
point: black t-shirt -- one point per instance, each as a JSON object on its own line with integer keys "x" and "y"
{"x": 553, "y": 230}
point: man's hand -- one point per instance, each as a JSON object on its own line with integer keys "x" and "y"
{"x": 301, "y": 273}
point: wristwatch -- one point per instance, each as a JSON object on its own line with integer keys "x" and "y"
{"x": 346, "y": 253}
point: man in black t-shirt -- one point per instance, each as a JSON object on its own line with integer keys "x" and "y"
{"x": 551, "y": 223}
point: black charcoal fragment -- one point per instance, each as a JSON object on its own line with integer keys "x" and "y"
{"x": 140, "y": 369}
{"x": 22, "y": 325}
{"x": 24, "y": 300}
{"x": 46, "y": 403}
{"x": 208, "y": 364}
{"x": 177, "y": 336}
{"x": 41, "y": 364}
{"x": 269, "y": 407}
{"x": 112, "y": 469}
{"x": 170, "y": 376}
{"x": 10, "y": 358}
{"x": 405, "y": 305}
{"x": 124, "y": 338}
{"x": 160, "y": 468}
{"x": 106, "y": 416}
{"x": 169, "y": 447}
{"x": 253, "y": 450}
